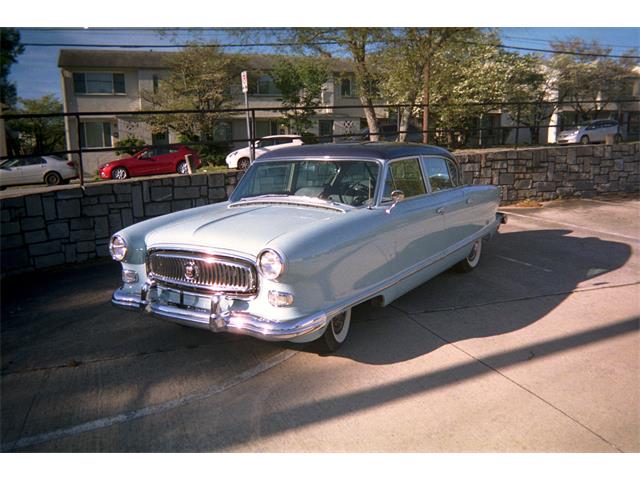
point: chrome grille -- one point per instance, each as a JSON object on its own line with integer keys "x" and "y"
{"x": 202, "y": 272}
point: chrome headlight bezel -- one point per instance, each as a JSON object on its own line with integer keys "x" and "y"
{"x": 271, "y": 264}
{"x": 118, "y": 248}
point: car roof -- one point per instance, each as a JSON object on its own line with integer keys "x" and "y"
{"x": 281, "y": 136}
{"x": 364, "y": 150}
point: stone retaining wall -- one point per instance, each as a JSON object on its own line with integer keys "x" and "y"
{"x": 555, "y": 172}
{"x": 69, "y": 225}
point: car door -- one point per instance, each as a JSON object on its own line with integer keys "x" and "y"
{"x": 417, "y": 223}
{"x": 444, "y": 184}
{"x": 33, "y": 170}
{"x": 145, "y": 163}
{"x": 165, "y": 160}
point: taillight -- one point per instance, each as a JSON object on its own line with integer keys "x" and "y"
{"x": 71, "y": 164}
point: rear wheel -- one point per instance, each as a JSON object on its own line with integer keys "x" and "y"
{"x": 243, "y": 164}
{"x": 584, "y": 140}
{"x": 182, "y": 167}
{"x": 53, "y": 178}
{"x": 119, "y": 173}
{"x": 336, "y": 332}
{"x": 472, "y": 259}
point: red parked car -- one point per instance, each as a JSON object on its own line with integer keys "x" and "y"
{"x": 150, "y": 161}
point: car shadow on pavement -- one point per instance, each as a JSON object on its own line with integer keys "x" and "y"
{"x": 541, "y": 267}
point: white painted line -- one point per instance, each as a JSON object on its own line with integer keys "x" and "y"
{"x": 617, "y": 204}
{"x": 508, "y": 259}
{"x": 152, "y": 409}
{"x": 572, "y": 225}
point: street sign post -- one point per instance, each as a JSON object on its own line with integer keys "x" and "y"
{"x": 245, "y": 90}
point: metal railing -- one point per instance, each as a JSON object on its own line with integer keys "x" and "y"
{"x": 476, "y": 136}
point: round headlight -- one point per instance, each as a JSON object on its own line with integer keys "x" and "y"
{"x": 270, "y": 264}
{"x": 118, "y": 248}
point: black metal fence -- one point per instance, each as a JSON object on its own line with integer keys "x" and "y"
{"x": 486, "y": 124}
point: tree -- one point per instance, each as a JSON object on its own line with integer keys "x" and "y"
{"x": 588, "y": 80}
{"x": 408, "y": 64}
{"x": 300, "y": 83}
{"x": 38, "y": 135}
{"x": 10, "y": 48}
{"x": 200, "y": 78}
{"x": 359, "y": 43}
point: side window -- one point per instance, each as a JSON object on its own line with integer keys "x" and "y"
{"x": 404, "y": 175}
{"x": 453, "y": 173}
{"x": 282, "y": 141}
{"x": 438, "y": 174}
{"x": 34, "y": 161}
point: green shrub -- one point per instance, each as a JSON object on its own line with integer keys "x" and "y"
{"x": 129, "y": 145}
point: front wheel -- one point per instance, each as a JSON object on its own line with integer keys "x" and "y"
{"x": 119, "y": 173}
{"x": 336, "y": 332}
{"x": 584, "y": 140}
{"x": 472, "y": 259}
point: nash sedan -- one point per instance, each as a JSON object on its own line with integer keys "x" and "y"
{"x": 150, "y": 161}
{"x": 309, "y": 233}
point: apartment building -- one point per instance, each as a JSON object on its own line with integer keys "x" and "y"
{"x": 96, "y": 83}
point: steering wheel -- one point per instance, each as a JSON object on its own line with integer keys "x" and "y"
{"x": 358, "y": 191}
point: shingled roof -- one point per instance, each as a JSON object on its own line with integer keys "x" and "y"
{"x": 78, "y": 58}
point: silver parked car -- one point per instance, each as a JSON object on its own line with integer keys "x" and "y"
{"x": 309, "y": 233}
{"x": 592, "y": 132}
{"x": 48, "y": 169}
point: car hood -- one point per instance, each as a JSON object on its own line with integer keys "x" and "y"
{"x": 247, "y": 228}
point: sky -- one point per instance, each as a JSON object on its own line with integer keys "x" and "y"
{"x": 36, "y": 73}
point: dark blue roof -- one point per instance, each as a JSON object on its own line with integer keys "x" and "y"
{"x": 372, "y": 150}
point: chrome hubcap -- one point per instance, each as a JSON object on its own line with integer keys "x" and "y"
{"x": 338, "y": 323}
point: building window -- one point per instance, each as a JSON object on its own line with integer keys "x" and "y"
{"x": 325, "y": 129}
{"x": 266, "y": 86}
{"x": 95, "y": 135}
{"x": 98, "y": 83}
{"x": 347, "y": 87}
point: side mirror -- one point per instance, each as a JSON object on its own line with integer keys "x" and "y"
{"x": 397, "y": 196}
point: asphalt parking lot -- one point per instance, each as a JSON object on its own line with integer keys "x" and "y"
{"x": 536, "y": 350}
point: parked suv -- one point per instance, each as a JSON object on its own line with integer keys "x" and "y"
{"x": 592, "y": 132}
{"x": 240, "y": 158}
{"x": 49, "y": 169}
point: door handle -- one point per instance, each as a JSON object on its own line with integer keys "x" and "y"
{"x": 440, "y": 211}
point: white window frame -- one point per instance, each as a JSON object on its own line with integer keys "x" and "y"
{"x": 83, "y": 139}
{"x": 112, "y": 93}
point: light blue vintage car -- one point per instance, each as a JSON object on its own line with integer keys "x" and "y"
{"x": 309, "y": 233}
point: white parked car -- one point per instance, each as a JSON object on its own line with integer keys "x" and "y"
{"x": 48, "y": 169}
{"x": 241, "y": 158}
{"x": 592, "y": 132}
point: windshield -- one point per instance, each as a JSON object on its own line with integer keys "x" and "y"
{"x": 348, "y": 182}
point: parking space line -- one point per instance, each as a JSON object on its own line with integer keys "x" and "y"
{"x": 513, "y": 260}
{"x": 572, "y": 225}
{"x": 152, "y": 409}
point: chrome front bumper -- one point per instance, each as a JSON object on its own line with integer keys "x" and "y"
{"x": 221, "y": 321}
